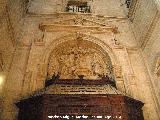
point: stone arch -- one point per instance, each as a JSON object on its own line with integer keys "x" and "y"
{"x": 63, "y": 39}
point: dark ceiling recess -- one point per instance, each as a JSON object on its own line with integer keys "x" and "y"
{"x": 78, "y": 6}
{"x": 77, "y": 3}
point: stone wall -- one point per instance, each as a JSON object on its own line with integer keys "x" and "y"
{"x": 146, "y": 28}
{"x": 151, "y": 55}
{"x": 6, "y": 49}
{"x": 10, "y": 32}
{"x": 37, "y": 35}
{"x": 143, "y": 18}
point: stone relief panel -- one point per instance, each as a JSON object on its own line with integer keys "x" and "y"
{"x": 79, "y": 57}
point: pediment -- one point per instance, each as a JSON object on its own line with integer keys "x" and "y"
{"x": 77, "y": 24}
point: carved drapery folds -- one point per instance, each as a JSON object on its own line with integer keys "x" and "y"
{"x": 79, "y": 57}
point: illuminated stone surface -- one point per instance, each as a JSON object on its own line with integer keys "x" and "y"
{"x": 31, "y": 31}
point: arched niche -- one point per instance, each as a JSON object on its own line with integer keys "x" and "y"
{"x": 80, "y": 43}
{"x": 79, "y": 57}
